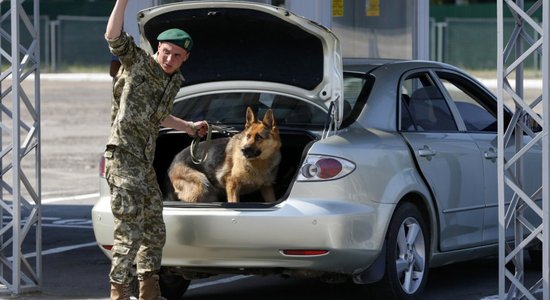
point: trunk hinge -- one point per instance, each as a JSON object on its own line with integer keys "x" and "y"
{"x": 331, "y": 125}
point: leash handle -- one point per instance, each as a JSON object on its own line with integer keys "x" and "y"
{"x": 195, "y": 143}
{"x": 193, "y": 127}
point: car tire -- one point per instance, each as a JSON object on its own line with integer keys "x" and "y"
{"x": 407, "y": 255}
{"x": 172, "y": 287}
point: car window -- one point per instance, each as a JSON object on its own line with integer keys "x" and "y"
{"x": 357, "y": 87}
{"x": 230, "y": 108}
{"x": 290, "y": 111}
{"x": 475, "y": 116}
{"x": 352, "y": 89}
{"x": 423, "y": 106}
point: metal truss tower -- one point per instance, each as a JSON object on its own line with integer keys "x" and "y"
{"x": 516, "y": 52}
{"x": 20, "y": 183}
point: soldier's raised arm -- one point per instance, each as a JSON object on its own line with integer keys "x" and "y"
{"x": 116, "y": 19}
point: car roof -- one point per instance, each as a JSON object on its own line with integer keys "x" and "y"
{"x": 367, "y": 65}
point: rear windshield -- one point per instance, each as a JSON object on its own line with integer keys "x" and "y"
{"x": 230, "y": 109}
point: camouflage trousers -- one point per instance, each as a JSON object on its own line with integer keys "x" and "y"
{"x": 136, "y": 203}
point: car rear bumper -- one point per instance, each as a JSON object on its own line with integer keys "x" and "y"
{"x": 350, "y": 233}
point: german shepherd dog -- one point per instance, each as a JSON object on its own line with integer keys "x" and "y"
{"x": 237, "y": 165}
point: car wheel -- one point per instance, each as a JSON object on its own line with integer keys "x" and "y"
{"x": 407, "y": 255}
{"x": 172, "y": 286}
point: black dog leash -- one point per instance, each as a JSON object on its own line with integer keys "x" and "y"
{"x": 195, "y": 143}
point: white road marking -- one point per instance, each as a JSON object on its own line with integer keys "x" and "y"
{"x": 73, "y": 222}
{"x": 220, "y": 281}
{"x": 67, "y": 226}
{"x": 59, "y": 250}
{"x": 70, "y": 223}
{"x": 69, "y": 198}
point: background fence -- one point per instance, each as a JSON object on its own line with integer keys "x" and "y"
{"x": 78, "y": 41}
{"x": 67, "y": 42}
{"x": 471, "y": 43}
{"x": 71, "y": 42}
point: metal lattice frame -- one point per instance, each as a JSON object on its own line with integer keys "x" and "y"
{"x": 512, "y": 59}
{"x": 20, "y": 186}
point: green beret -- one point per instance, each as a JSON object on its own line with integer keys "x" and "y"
{"x": 177, "y": 37}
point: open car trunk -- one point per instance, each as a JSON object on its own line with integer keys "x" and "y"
{"x": 294, "y": 142}
{"x": 247, "y": 54}
{"x": 250, "y": 46}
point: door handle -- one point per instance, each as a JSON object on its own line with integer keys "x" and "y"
{"x": 426, "y": 152}
{"x": 490, "y": 154}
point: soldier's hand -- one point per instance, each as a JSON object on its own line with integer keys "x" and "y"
{"x": 201, "y": 128}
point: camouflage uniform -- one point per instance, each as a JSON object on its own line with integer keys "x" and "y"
{"x": 143, "y": 96}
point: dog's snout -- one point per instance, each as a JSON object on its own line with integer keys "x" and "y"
{"x": 251, "y": 152}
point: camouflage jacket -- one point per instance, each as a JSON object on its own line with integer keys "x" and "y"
{"x": 143, "y": 96}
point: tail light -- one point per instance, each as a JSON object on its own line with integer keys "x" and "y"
{"x": 102, "y": 167}
{"x": 320, "y": 168}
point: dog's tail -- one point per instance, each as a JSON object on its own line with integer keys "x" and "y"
{"x": 189, "y": 185}
{"x": 170, "y": 193}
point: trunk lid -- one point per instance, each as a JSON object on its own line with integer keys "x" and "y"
{"x": 248, "y": 46}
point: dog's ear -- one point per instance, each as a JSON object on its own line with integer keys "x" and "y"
{"x": 250, "y": 117}
{"x": 269, "y": 120}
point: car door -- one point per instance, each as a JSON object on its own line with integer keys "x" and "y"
{"x": 448, "y": 159}
{"x": 479, "y": 114}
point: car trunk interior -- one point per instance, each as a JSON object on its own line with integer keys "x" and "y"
{"x": 294, "y": 142}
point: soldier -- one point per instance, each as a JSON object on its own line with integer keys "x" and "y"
{"x": 143, "y": 97}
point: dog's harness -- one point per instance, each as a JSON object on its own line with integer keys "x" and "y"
{"x": 195, "y": 143}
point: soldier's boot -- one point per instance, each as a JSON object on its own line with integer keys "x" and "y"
{"x": 120, "y": 291}
{"x": 149, "y": 288}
